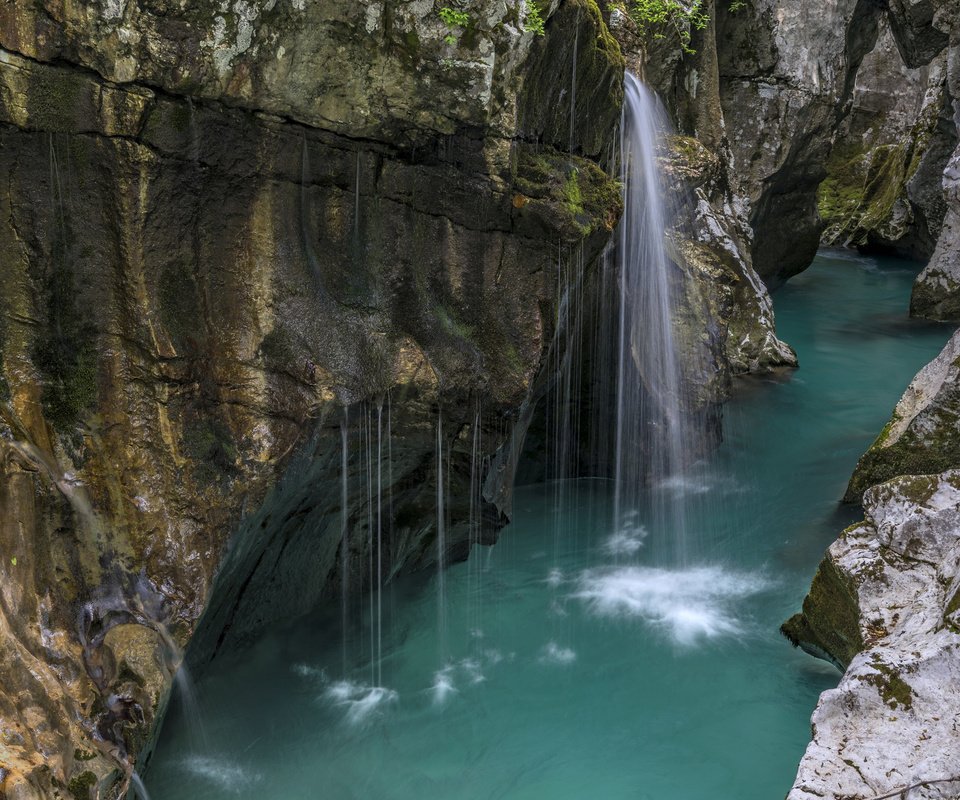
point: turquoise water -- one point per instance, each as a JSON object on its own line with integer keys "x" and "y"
{"x": 564, "y": 667}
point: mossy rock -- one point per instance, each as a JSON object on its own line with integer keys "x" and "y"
{"x": 576, "y": 116}
{"x": 910, "y": 455}
{"x": 81, "y": 785}
{"x": 574, "y": 191}
{"x": 830, "y": 622}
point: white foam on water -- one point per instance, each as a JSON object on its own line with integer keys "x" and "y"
{"x": 443, "y": 687}
{"x": 684, "y": 485}
{"x": 472, "y": 670}
{"x": 689, "y": 605}
{"x": 552, "y": 653}
{"x": 222, "y": 773}
{"x": 555, "y": 577}
{"x": 307, "y": 671}
{"x": 626, "y": 542}
{"x": 360, "y": 701}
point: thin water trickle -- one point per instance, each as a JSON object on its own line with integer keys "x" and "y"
{"x": 379, "y": 656}
{"x": 344, "y": 532}
{"x": 441, "y": 544}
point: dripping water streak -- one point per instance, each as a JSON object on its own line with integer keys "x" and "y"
{"x": 441, "y": 541}
{"x": 137, "y": 787}
{"x": 344, "y": 532}
{"x": 379, "y": 545}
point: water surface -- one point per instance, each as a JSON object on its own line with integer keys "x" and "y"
{"x": 564, "y": 665}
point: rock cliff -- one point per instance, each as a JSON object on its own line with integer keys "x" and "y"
{"x": 232, "y": 237}
{"x": 884, "y": 605}
{"x": 883, "y": 186}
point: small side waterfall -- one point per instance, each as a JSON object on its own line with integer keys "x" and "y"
{"x": 655, "y": 433}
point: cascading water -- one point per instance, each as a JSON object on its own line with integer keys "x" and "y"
{"x": 656, "y": 434}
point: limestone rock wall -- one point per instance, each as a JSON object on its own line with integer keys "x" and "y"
{"x": 923, "y": 435}
{"x": 884, "y": 604}
{"x": 883, "y": 187}
{"x": 935, "y": 293}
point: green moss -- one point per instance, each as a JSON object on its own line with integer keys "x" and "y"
{"x": 65, "y": 353}
{"x": 81, "y": 785}
{"x": 831, "y": 614}
{"x": 83, "y": 755}
{"x": 209, "y": 444}
{"x": 907, "y": 457}
{"x": 587, "y": 197}
{"x": 572, "y": 194}
{"x": 861, "y": 189}
{"x": 894, "y": 690}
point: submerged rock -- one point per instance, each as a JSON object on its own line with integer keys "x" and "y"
{"x": 884, "y": 605}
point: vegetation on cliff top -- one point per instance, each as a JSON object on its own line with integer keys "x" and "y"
{"x": 661, "y": 17}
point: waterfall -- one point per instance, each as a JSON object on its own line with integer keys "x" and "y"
{"x": 655, "y": 431}
{"x": 137, "y": 789}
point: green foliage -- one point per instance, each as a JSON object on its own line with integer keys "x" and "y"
{"x": 453, "y": 19}
{"x": 658, "y": 15}
{"x": 680, "y": 16}
{"x": 533, "y": 21}
{"x": 81, "y": 785}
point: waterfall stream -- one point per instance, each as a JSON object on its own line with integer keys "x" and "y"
{"x": 655, "y": 434}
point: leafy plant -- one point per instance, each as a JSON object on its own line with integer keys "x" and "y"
{"x": 453, "y": 19}
{"x": 533, "y": 18}
{"x": 682, "y": 16}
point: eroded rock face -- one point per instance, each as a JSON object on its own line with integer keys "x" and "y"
{"x": 885, "y": 606}
{"x": 882, "y": 189}
{"x": 936, "y": 293}
{"x": 923, "y": 436}
{"x": 216, "y": 264}
{"x": 786, "y": 75}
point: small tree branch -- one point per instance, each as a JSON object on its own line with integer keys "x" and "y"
{"x": 902, "y": 792}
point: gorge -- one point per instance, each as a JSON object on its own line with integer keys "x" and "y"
{"x": 305, "y": 304}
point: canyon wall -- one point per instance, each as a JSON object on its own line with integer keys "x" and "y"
{"x": 231, "y": 237}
